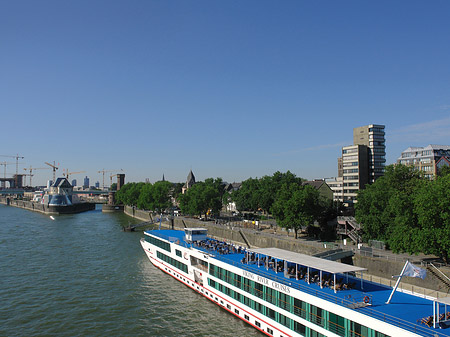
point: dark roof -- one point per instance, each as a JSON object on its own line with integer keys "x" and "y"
{"x": 314, "y": 183}
{"x": 191, "y": 177}
{"x": 62, "y": 182}
{"x": 233, "y": 187}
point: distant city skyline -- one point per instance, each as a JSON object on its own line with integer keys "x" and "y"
{"x": 228, "y": 89}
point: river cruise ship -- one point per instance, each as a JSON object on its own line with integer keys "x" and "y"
{"x": 282, "y": 293}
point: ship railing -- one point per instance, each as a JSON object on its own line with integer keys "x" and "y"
{"x": 348, "y": 302}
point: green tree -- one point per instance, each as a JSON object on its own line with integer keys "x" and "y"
{"x": 146, "y": 199}
{"x": 296, "y": 206}
{"x": 129, "y": 193}
{"x": 246, "y": 198}
{"x": 383, "y": 208}
{"x": 203, "y": 197}
{"x": 432, "y": 206}
{"x": 161, "y": 195}
{"x": 259, "y": 194}
{"x": 443, "y": 171}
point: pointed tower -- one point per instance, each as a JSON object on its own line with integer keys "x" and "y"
{"x": 190, "y": 181}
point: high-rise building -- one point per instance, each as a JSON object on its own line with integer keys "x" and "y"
{"x": 355, "y": 163}
{"x": 426, "y": 159}
{"x": 86, "y": 182}
{"x": 372, "y": 136}
{"x": 74, "y": 182}
{"x": 97, "y": 184}
{"x": 361, "y": 163}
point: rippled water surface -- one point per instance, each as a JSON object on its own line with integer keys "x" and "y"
{"x": 82, "y": 275}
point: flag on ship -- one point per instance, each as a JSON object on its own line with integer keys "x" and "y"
{"x": 414, "y": 271}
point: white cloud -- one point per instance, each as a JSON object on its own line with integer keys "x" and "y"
{"x": 431, "y": 132}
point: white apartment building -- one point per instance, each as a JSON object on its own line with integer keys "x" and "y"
{"x": 425, "y": 159}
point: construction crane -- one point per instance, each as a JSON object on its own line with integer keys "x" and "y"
{"x": 67, "y": 173}
{"x": 106, "y": 171}
{"x": 31, "y": 169}
{"x": 17, "y": 157}
{"x": 54, "y": 167}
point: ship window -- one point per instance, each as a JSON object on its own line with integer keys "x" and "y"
{"x": 270, "y": 313}
{"x": 246, "y": 317}
{"x": 358, "y": 330}
{"x": 299, "y": 308}
{"x": 286, "y": 321}
{"x": 257, "y": 324}
{"x": 336, "y": 324}
{"x": 178, "y": 252}
{"x": 316, "y": 315}
{"x": 228, "y": 307}
{"x": 269, "y": 330}
{"x": 300, "y": 328}
{"x": 236, "y": 311}
{"x": 258, "y": 290}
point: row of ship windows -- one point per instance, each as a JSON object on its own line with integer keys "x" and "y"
{"x": 309, "y": 312}
{"x": 177, "y": 264}
{"x": 158, "y": 243}
{"x": 272, "y": 314}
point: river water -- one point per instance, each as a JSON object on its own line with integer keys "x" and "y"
{"x": 81, "y": 275}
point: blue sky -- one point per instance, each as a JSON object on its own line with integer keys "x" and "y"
{"x": 230, "y": 89}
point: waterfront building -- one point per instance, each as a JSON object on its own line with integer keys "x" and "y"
{"x": 74, "y": 182}
{"x": 372, "y": 136}
{"x": 361, "y": 163}
{"x": 355, "y": 164}
{"x": 97, "y": 184}
{"x": 426, "y": 159}
{"x": 336, "y": 184}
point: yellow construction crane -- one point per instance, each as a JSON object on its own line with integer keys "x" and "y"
{"x": 54, "y": 167}
{"x": 31, "y": 169}
{"x": 106, "y": 171}
{"x": 67, "y": 173}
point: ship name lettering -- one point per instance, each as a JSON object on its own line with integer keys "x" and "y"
{"x": 248, "y": 274}
{"x": 281, "y": 287}
{"x": 262, "y": 280}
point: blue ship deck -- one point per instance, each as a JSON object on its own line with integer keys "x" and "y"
{"x": 404, "y": 311}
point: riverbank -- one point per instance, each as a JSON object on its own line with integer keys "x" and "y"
{"x": 379, "y": 265}
{"x": 46, "y": 209}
